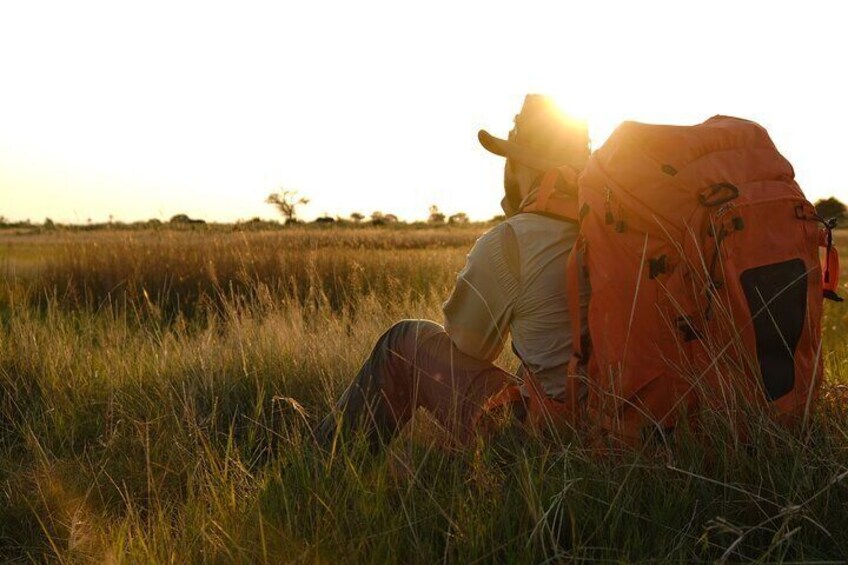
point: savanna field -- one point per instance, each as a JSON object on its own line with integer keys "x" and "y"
{"x": 158, "y": 387}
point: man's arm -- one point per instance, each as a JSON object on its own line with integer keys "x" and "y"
{"x": 478, "y": 311}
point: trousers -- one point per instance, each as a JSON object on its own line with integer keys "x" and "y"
{"x": 414, "y": 365}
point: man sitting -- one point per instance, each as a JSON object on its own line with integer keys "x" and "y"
{"x": 512, "y": 284}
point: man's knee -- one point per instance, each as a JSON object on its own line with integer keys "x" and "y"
{"x": 413, "y": 331}
{"x": 405, "y": 346}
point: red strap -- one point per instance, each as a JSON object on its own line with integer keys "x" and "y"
{"x": 546, "y": 189}
{"x": 830, "y": 263}
{"x": 570, "y": 175}
{"x": 830, "y": 275}
{"x": 572, "y": 289}
{"x": 563, "y": 204}
{"x": 505, "y": 397}
{"x": 544, "y": 411}
{"x": 550, "y": 200}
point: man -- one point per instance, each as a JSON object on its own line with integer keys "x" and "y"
{"x": 512, "y": 284}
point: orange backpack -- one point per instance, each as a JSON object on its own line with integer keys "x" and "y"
{"x": 706, "y": 287}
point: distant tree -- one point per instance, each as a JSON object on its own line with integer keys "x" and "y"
{"x": 48, "y": 224}
{"x": 378, "y": 218}
{"x": 3, "y": 220}
{"x": 184, "y": 219}
{"x": 458, "y": 219}
{"x": 830, "y": 208}
{"x": 357, "y": 217}
{"x": 436, "y": 217}
{"x": 287, "y": 201}
{"x": 497, "y": 219}
{"x": 325, "y": 220}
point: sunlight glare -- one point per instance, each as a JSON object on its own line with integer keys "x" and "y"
{"x": 586, "y": 107}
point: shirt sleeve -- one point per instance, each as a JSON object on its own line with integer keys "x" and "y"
{"x": 478, "y": 311}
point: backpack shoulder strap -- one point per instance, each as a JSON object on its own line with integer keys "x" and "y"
{"x": 572, "y": 289}
{"x": 557, "y": 194}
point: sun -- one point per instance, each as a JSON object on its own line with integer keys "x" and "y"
{"x": 594, "y": 110}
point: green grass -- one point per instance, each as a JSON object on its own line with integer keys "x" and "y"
{"x": 157, "y": 391}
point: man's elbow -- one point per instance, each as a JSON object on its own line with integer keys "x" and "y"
{"x": 471, "y": 343}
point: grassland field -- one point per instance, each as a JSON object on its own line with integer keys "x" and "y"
{"x": 158, "y": 387}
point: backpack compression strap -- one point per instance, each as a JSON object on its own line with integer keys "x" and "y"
{"x": 830, "y": 265}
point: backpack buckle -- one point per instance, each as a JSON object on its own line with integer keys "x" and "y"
{"x": 657, "y": 266}
{"x": 718, "y": 194}
{"x": 687, "y": 328}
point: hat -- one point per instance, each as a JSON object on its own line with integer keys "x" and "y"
{"x": 542, "y": 138}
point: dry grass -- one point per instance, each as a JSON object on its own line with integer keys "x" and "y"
{"x": 156, "y": 391}
{"x": 184, "y": 272}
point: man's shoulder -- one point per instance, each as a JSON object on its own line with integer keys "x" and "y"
{"x": 523, "y": 230}
{"x": 540, "y": 225}
{"x": 530, "y": 220}
{"x": 535, "y": 220}
{"x": 493, "y": 237}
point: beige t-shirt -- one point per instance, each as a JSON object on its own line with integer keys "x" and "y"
{"x": 514, "y": 283}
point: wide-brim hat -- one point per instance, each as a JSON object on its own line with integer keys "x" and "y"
{"x": 543, "y": 137}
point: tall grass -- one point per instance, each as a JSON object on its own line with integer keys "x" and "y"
{"x": 189, "y": 272}
{"x": 133, "y": 428}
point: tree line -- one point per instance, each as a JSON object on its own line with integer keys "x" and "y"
{"x": 289, "y": 202}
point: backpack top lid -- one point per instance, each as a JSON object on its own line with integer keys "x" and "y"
{"x": 659, "y": 171}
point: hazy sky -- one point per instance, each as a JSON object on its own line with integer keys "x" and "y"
{"x": 148, "y": 109}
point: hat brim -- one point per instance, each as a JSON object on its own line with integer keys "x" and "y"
{"x": 512, "y": 150}
{"x": 491, "y": 143}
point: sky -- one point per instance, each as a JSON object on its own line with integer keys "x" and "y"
{"x": 140, "y": 110}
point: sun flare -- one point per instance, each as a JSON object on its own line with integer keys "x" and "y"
{"x": 600, "y": 118}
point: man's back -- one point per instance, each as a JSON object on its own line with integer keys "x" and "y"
{"x": 514, "y": 282}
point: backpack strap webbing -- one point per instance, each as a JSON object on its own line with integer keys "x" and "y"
{"x": 572, "y": 289}
{"x": 557, "y": 194}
